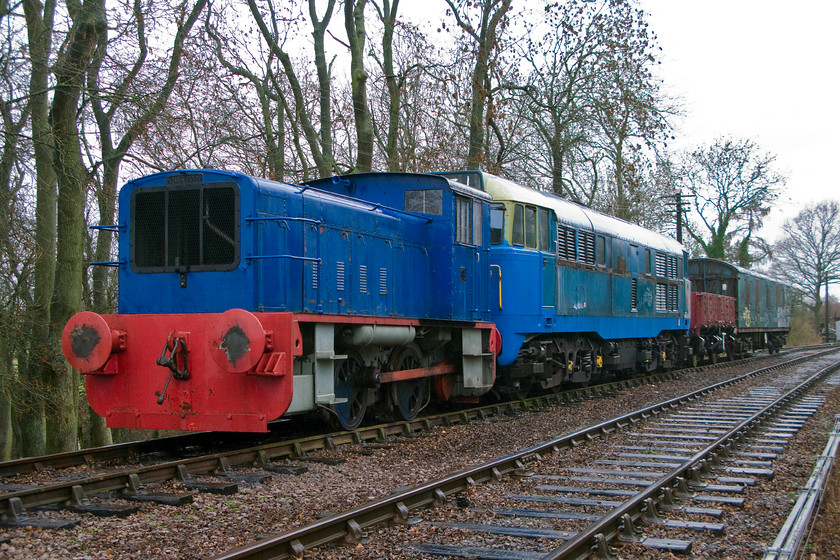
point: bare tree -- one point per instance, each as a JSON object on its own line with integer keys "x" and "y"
{"x": 30, "y": 417}
{"x": 486, "y": 36}
{"x": 320, "y": 142}
{"x": 562, "y": 64}
{"x": 630, "y": 113}
{"x": 354, "y": 23}
{"x": 88, "y": 20}
{"x": 259, "y": 67}
{"x": 808, "y": 255}
{"x": 388, "y": 17}
{"x": 733, "y": 185}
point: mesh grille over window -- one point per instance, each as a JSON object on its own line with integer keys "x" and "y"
{"x": 181, "y": 228}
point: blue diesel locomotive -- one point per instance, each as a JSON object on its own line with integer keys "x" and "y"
{"x": 243, "y": 300}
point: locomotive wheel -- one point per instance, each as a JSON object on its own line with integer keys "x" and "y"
{"x": 349, "y": 415}
{"x": 584, "y": 363}
{"x": 408, "y": 397}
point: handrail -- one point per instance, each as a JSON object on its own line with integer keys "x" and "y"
{"x": 500, "y": 283}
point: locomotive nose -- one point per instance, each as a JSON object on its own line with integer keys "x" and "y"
{"x": 88, "y": 342}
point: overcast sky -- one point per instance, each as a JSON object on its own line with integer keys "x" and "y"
{"x": 764, "y": 70}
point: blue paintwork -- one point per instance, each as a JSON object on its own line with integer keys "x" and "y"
{"x": 588, "y": 301}
{"x": 585, "y": 299}
{"x": 374, "y": 258}
{"x": 448, "y": 293}
{"x": 337, "y": 254}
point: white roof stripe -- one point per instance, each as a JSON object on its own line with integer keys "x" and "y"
{"x": 579, "y": 216}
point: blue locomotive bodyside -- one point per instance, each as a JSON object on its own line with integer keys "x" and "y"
{"x": 577, "y": 291}
{"x": 227, "y": 240}
{"x": 454, "y": 284}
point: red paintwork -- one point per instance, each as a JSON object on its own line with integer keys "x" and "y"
{"x": 242, "y": 391}
{"x": 406, "y": 374}
{"x": 125, "y": 391}
{"x": 711, "y": 310}
{"x": 90, "y": 332}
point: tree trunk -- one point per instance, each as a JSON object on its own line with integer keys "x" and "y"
{"x": 486, "y": 38}
{"x": 30, "y": 414}
{"x": 323, "y": 162}
{"x": 62, "y": 382}
{"x": 389, "y": 19}
{"x": 479, "y": 95}
{"x": 319, "y": 28}
{"x": 354, "y": 22}
{"x": 280, "y": 160}
{"x": 5, "y": 401}
{"x": 556, "y": 166}
{"x": 99, "y": 434}
{"x": 622, "y": 208}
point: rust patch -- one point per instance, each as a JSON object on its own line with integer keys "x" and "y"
{"x": 84, "y": 339}
{"x": 235, "y": 344}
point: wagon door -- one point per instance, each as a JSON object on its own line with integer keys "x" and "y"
{"x": 311, "y": 264}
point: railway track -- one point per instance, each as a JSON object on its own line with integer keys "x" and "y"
{"x": 67, "y": 480}
{"x": 130, "y": 466}
{"x": 124, "y": 479}
{"x": 661, "y": 478}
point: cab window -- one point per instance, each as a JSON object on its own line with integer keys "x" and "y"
{"x": 476, "y": 222}
{"x": 545, "y": 236}
{"x": 518, "y": 234}
{"x": 497, "y": 224}
{"x": 530, "y": 227}
{"x": 601, "y": 250}
{"x": 463, "y": 221}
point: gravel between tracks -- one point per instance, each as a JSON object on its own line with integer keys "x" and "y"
{"x": 213, "y": 523}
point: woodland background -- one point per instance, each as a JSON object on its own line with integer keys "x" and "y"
{"x": 560, "y": 96}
